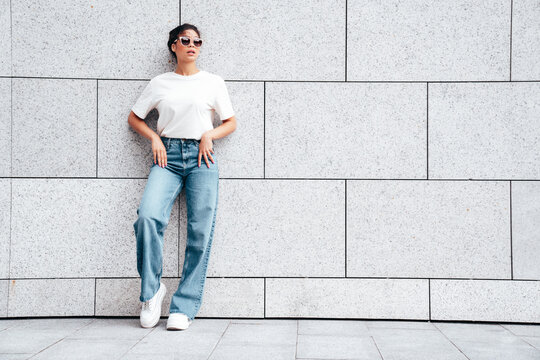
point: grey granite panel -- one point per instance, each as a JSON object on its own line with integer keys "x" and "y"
{"x": 425, "y": 40}
{"x": 525, "y": 40}
{"x": 122, "y": 152}
{"x": 348, "y": 298}
{"x": 241, "y": 153}
{"x": 81, "y": 228}
{"x": 279, "y": 228}
{"x": 281, "y": 40}
{"x": 5, "y": 126}
{"x": 344, "y": 130}
{"x": 233, "y": 297}
{"x": 54, "y": 127}
{"x": 5, "y": 38}
{"x": 5, "y": 226}
{"x": 51, "y": 297}
{"x": 3, "y": 300}
{"x": 485, "y": 300}
{"x": 106, "y": 39}
{"x": 484, "y": 130}
{"x": 428, "y": 229}
{"x": 223, "y": 297}
{"x": 525, "y": 229}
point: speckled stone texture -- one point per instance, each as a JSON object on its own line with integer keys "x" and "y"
{"x": 345, "y": 130}
{"x": 5, "y": 39}
{"x": 423, "y": 229}
{"x": 105, "y": 39}
{"x": 80, "y": 228}
{"x": 484, "y": 130}
{"x": 4, "y": 298}
{"x": 5, "y": 125}
{"x": 54, "y": 127}
{"x": 5, "y": 218}
{"x": 348, "y": 298}
{"x": 426, "y": 40}
{"x": 526, "y": 229}
{"x": 486, "y": 300}
{"x": 525, "y": 40}
{"x": 281, "y": 40}
{"x": 258, "y": 235}
{"x": 51, "y": 297}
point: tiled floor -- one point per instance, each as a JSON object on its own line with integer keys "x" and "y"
{"x": 120, "y": 338}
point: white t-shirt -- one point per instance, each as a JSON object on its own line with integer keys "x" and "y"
{"x": 185, "y": 103}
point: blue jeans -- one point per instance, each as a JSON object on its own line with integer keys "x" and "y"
{"x": 162, "y": 188}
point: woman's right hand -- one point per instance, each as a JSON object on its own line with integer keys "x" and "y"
{"x": 159, "y": 151}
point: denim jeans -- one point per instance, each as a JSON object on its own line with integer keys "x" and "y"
{"x": 162, "y": 188}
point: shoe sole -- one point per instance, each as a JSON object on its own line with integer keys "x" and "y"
{"x": 160, "y": 301}
{"x": 176, "y": 327}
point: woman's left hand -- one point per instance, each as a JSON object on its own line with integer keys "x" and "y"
{"x": 206, "y": 148}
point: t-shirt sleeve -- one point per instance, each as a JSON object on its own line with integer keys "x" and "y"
{"x": 222, "y": 104}
{"x": 145, "y": 102}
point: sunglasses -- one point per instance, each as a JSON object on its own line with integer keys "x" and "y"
{"x": 184, "y": 40}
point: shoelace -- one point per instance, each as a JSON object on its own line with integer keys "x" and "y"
{"x": 148, "y": 304}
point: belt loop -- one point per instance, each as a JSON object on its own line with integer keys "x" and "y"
{"x": 168, "y": 142}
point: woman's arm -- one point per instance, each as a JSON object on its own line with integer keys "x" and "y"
{"x": 141, "y": 127}
{"x": 228, "y": 126}
{"x": 206, "y": 146}
{"x": 158, "y": 149}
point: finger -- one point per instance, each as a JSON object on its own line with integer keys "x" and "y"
{"x": 211, "y": 158}
{"x": 154, "y": 157}
{"x": 200, "y": 159}
{"x": 206, "y": 160}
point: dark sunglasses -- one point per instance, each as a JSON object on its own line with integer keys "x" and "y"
{"x": 184, "y": 40}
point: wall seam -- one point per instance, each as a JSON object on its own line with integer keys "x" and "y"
{"x": 511, "y": 16}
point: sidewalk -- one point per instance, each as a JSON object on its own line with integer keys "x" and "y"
{"x": 273, "y": 339}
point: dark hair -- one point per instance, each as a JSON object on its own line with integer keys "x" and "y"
{"x": 173, "y": 35}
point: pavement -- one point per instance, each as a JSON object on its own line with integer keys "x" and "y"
{"x": 260, "y": 339}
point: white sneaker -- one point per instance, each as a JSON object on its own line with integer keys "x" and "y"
{"x": 151, "y": 309}
{"x": 178, "y": 321}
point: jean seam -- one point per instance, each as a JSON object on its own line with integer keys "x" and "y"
{"x": 207, "y": 256}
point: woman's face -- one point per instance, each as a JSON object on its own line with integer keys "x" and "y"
{"x": 184, "y": 53}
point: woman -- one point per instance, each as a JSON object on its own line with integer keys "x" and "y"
{"x": 186, "y": 100}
